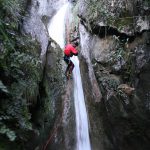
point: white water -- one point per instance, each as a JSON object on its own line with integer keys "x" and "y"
{"x": 56, "y": 27}
{"x": 56, "y": 31}
{"x": 83, "y": 142}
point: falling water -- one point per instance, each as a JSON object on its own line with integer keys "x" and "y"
{"x": 56, "y": 27}
{"x": 56, "y": 31}
{"x": 83, "y": 142}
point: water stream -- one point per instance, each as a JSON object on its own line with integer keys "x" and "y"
{"x": 82, "y": 131}
{"x": 56, "y": 27}
{"x": 57, "y": 32}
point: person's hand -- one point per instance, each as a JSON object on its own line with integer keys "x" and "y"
{"x": 76, "y": 54}
{"x": 71, "y": 54}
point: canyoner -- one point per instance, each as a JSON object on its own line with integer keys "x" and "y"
{"x": 69, "y": 51}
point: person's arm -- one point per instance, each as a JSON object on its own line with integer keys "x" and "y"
{"x": 76, "y": 54}
{"x": 76, "y": 38}
{"x": 74, "y": 51}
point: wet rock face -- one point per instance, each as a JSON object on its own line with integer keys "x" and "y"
{"x": 96, "y": 130}
{"x": 120, "y": 60}
{"x": 47, "y": 114}
{"x": 58, "y": 107}
{"x": 86, "y": 53}
{"x": 143, "y": 70}
{"x": 124, "y": 88}
{"x": 35, "y": 23}
{"x": 48, "y": 110}
{"x": 34, "y": 26}
{"x": 126, "y": 16}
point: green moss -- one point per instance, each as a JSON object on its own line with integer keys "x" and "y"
{"x": 122, "y": 22}
{"x": 109, "y": 83}
{"x": 147, "y": 3}
{"x": 124, "y": 19}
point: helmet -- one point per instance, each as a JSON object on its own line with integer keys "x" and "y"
{"x": 75, "y": 44}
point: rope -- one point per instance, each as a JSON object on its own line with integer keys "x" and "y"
{"x": 53, "y": 133}
{"x": 49, "y": 139}
{"x": 67, "y": 30}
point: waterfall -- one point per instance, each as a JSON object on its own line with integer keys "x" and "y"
{"x": 56, "y": 27}
{"x": 57, "y": 32}
{"x": 83, "y": 142}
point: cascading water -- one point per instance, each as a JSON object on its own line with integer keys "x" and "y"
{"x": 56, "y": 31}
{"x": 83, "y": 142}
{"x": 56, "y": 27}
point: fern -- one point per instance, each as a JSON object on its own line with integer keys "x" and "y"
{"x": 3, "y": 87}
{"x": 19, "y": 72}
{"x": 9, "y": 133}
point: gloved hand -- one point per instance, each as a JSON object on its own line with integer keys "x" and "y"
{"x": 76, "y": 54}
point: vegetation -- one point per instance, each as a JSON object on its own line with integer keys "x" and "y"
{"x": 119, "y": 14}
{"x": 19, "y": 73}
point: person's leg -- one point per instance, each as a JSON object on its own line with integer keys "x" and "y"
{"x": 69, "y": 69}
{"x": 71, "y": 66}
{"x": 67, "y": 60}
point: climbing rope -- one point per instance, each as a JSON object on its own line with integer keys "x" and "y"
{"x": 53, "y": 133}
{"x": 59, "y": 124}
{"x": 67, "y": 30}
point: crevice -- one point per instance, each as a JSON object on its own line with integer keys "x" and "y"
{"x": 103, "y": 31}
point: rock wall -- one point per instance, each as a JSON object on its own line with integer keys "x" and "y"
{"x": 53, "y": 116}
{"x": 126, "y": 16}
{"x": 115, "y": 71}
{"x": 36, "y": 21}
{"x": 47, "y": 113}
{"x": 115, "y": 46}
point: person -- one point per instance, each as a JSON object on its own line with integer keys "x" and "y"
{"x": 69, "y": 51}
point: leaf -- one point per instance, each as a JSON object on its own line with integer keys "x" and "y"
{"x": 3, "y": 87}
{"x": 3, "y": 129}
{"x": 11, "y": 135}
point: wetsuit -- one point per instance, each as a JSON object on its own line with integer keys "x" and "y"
{"x": 69, "y": 52}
